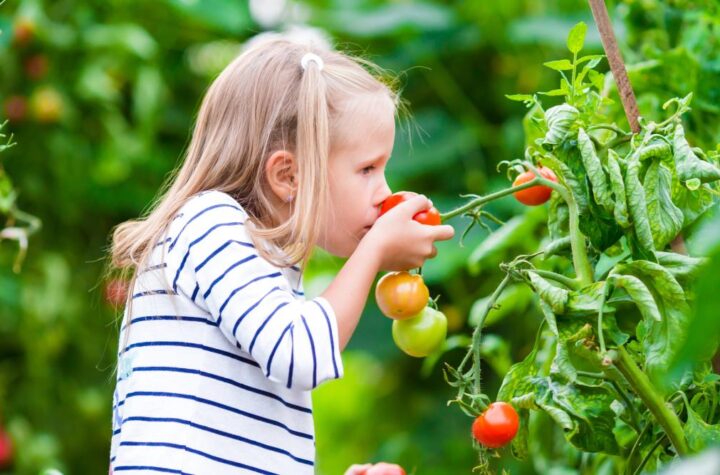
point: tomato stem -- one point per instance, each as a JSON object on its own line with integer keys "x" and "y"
{"x": 477, "y": 334}
{"x": 487, "y": 198}
{"x": 581, "y": 263}
{"x": 655, "y": 403}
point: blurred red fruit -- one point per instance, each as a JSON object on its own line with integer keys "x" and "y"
{"x": 16, "y": 108}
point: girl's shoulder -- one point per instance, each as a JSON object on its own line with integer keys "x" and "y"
{"x": 207, "y": 199}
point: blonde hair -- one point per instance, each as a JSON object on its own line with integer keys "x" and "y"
{"x": 263, "y": 101}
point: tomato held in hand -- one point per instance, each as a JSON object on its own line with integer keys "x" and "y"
{"x": 430, "y": 217}
{"x": 496, "y": 426}
{"x": 401, "y": 294}
{"x": 422, "y": 334}
{"x": 383, "y": 468}
{"x": 535, "y": 195}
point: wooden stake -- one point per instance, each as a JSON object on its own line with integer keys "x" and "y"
{"x": 602, "y": 19}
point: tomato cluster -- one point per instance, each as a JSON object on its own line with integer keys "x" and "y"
{"x": 418, "y": 329}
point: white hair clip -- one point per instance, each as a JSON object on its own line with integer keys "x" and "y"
{"x": 312, "y": 57}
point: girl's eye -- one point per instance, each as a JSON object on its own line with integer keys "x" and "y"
{"x": 367, "y": 170}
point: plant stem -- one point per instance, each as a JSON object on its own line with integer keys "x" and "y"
{"x": 477, "y": 334}
{"x": 487, "y": 198}
{"x": 645, "y": 459}
{"x": 642, "y": 386}
{"x": 581, "y": 263}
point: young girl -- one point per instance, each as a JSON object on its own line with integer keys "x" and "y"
{"x": 219, "y": 349}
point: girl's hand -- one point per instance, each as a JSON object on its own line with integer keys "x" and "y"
{"x": 358, "y": 469}
{"x": 402, "y": 242}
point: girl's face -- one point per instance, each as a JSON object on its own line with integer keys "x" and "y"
{"x": 363, "y": 143}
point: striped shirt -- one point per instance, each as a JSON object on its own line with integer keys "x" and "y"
{"x": 222, "y": 354}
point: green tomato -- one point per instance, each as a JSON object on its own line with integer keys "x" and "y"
{"x": 422, "y": 334}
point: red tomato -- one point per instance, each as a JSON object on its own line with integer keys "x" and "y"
{"x": 422, "y": 334}
{"x": 6, "y": 449}
{"x": 36, "y": 66}
{"x": 383, "y": 468}
{"x": 535, "y": 195}
{"x": 401, "y": 295}
{"x": 116, "y": 292}
{"x": 430, "y": 217}
{"x": 496, "y": 426}
{"x": 16, "y": 108}
{"x": 23, "y": 31}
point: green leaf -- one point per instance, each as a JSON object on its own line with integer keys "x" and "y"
{"x": 559, "y": 120}
{"x": 617, "y": 185}
{"x": 520, "y": 97}
{"x": 684, "y": 268}
{"x": 661, "y": 340}
{"x": 554, "y": 296}
{"x": 559, "y": 65}
{"x": 583, "y": 411}
{"x": 687, "y": 164}
{"x": 637, "y": 205}
{"x": 666, "y": 219}
{"x": 586, "y": 301}
{"x": 699, "y": 433}
{"x": 561, "y": 364}
{"x": 576, "y": 38}
{"x": 640, "y": 294}
{"x": 595, "y": 172}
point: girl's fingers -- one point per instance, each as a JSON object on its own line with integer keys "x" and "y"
{"x": 442, "y": 232}
{"x": 358, "y": 469}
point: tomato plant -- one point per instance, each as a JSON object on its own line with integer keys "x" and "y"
{"x": 421, "y": 334}
{"x": 535, "y": 195}
{"x": 496, "y": 426}
{"x": 430, "y": 217}
{"x": 401, "y": 295}
{"x": 612, "y": 282}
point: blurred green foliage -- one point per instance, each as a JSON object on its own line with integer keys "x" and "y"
{"x": 101, "y": 97}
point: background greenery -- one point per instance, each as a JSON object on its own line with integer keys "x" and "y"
{"x": 101, "y": 96}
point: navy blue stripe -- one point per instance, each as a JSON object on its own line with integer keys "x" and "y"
{"x": 272, "y": 353}
{"x": 332, "y": 342}
{"x": 117, "y": 431}
{"x": 312, "y": 347}
{"x": 156, "y": 266}
{"x": 225, "y": 380}
{"x": 238, "y": 289}
{"x": 267, "y": 319}
{"x": 195, "y": 292}
{"x": 225, "y": 272}
{"x": 165, "y": 241}
{"x": 252, "y": 307}
{"x": 221, "y": 205}
{"x": 194, "y": 345}
{"x": 150, "y": 318}
{"x": 292, "y": 357}
{"x": 122, "y": 468}
{"x": 221, "y": 433}
{"x": 153, "y": 292}
{"x": 187, "y": 253}
{"x": 199, "y": 452}
{"x": 221, "y": 406}
{"x": 219, "y": 249}
{"x": 297, "y": 292}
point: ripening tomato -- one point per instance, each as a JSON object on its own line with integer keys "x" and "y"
{"x": 422, "y": 334}
{"x": 47, "y": 104}
{"x": 496, "y": 426}
{"x": 23, "y": 31}
{"x": 430, "y": 217}
{"x": 383, "y": 468}
{"x": 6, "y": 449}
{"x": 535, "y": 195}
{"x": 401, "y": 295}
{"x": 36, "y": 66}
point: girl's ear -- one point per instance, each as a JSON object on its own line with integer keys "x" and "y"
{"x": 281, "y": 174}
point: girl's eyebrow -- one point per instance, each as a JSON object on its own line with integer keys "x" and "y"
{"x": 377, "y": 159}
